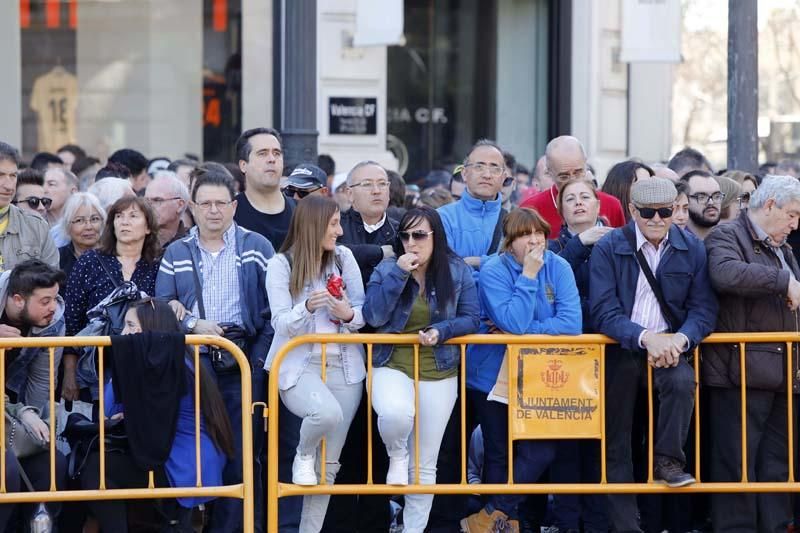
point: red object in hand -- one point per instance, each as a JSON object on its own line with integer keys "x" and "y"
{"x": 335, "y": 286}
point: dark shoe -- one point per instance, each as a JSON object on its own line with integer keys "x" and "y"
{"x": 670, "y": 472}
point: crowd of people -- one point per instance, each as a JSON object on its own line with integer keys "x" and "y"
{"x": 657, "y": 259}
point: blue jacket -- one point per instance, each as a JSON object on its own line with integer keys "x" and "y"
{"x": 548, "y": 304}
{"x": 391, "y": 292}
{"x": 469, "y": 225}
{"x": 175, "y": 281}
{"x": 682, "y": 274}
{"x": 577, "y": 254}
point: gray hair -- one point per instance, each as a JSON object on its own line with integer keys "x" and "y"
{"x": 69, "y": 177}
{"x": 361, "y": 164}
{"x": 75, "y": 202}
{"x": 783, "y": 189}
{"x": 109, "y": 190}
{"x": 177, "y": 187}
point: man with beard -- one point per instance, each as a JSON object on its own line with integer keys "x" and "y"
{"x": 31, "y": 308}
{"x": 705, "y": 202}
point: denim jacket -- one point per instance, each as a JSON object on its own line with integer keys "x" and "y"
{"x": 390, "y": 295}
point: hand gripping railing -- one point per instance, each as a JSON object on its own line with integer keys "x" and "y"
{"x": 278, "y": 490}
{"x": 242, "y": 491}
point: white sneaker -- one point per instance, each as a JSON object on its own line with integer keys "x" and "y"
{"x": 398, "y": 471}
{"x": 303, "y": 470}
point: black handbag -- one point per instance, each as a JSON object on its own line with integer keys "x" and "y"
{"x": 83, "y": 436}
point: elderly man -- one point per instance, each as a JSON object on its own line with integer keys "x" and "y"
{"x": 565, "y": 160}
{"x": 705, "y": 202}
{"x": 169, "y": 198}
{"x": 59, "y": 185}
{"x": 755, "y": 274}
{"x": 650, "y": 292}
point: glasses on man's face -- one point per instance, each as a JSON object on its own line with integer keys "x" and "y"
{"x": 650, "y": 212}
{"x": 490, "y": 168}
{"x": 33, "y": 202}
{"x": 219, "y": 205}
{"x": 417, "y": 235}
{"x": 93, "y": 220}
{"x": 571, "y": 175}
{"x": 300, "y": 193}
{"x": 368, "y": 185}
{"x": 159, "y": 201}
{"x": 508, "y": 181}
{"x": 743, "y": 199}
{"x": 703, "y": 198}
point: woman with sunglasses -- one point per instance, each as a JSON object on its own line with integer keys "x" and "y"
{"x": 428, "y": 291}
{"x": 525, "y": 289}
{"x": 314, "y": 286}
{"x": 81, "y": 226}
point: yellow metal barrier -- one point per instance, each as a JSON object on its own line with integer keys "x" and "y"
{"x": 242, "y": 491}
{"x": 276, "y": 490}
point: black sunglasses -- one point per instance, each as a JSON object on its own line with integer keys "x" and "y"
{"x": 650, "y": 212}
{"x": 301, "y": 193}
{"x": 418, "y": 235}
{"x": 33, "y": 202}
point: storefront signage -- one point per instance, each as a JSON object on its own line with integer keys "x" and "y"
{"x": 556, "y": 391}
{"x": 352, "y": 116}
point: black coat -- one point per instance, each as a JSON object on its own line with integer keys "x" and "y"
{"x": 366, "y": 247}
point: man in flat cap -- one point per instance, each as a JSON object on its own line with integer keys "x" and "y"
{"x": 755, "y": 274}
{"x": 649, "y": 291}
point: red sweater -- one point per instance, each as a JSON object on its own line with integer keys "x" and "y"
{"x": 545, "y": 203}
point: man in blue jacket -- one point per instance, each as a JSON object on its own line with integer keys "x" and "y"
{"x": 626, "y": 307}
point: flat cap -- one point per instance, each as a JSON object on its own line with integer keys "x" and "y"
{"x": 653, "y": 191}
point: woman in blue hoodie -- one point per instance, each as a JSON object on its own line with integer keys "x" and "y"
{"x": 525, "y": 289}
{"x": 429, "y": 291}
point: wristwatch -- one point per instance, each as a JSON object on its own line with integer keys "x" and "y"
{"x": 191, "y": 323}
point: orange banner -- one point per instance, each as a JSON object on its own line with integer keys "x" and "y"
{"x": 555, "y": 391}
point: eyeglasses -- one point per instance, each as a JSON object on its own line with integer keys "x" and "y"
{"x": 650, "y": 212}
{"x": 219, "y": 205}
{"x": 492, "y": 169}
{"x": 159, "y": 201}
{"x": 93, "y": 220}
{"x": 369, "y": 185}
{"x": 703, "y": 198}
{"x": 300, "y": 193}
{"x": 418, "y": 235}
{"x": 508, "y": 181}
{"x": 743, "y": 199}
{"x": 33, "y": 202}
{"x": 571, "y": 174}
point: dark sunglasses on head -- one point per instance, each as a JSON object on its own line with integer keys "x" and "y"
{"x": 418, "y": 235}
{"x": 33, "y": 202}
{"x": 650, "y": 212}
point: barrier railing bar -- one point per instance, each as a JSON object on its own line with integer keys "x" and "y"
{"x": 602, "y": 405}
{"x": 512, "y": 404}
{"x": 4, "y": 440}
{"x": 52, "y": 415}
{"x": 697, "y": 413}
{"x": 151, "y": 482}
{"x": 369, "y": 414}
{"x": 197, "y": 469}
{"x": 463, "y": 406}
{"x": 790, "y": 408}
{"x": 416, "y": 414}
{"x": 323, "y": 457}
{"x": 649, "y": 423}
{"x": 743, "y": 388}
{"x": 102, "y": 415}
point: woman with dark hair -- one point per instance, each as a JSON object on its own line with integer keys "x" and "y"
{"x": 680, "y": 209}
{"x": 525, "y": 289}
{"x": 314, "y": 286}
{"x": 216, "y": 439}
{"x": 128, "y": 251}
{"x": 621, "y": 177}
{"x": 428, "y": 290}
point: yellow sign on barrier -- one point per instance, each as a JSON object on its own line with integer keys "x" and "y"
{"x": 556, "y": 391}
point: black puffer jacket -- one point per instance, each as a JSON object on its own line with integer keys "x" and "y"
{"x": 752, "y": 289}
{"x": 366, "y": 247}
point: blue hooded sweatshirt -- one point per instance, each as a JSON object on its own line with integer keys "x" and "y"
{"x": 548, "y": 304}
{"x": 469, "y": 225}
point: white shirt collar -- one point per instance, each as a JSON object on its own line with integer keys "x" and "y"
{"x": 372, "y": 228}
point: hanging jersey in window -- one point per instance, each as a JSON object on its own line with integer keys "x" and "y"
{"x": 54, "y": 98}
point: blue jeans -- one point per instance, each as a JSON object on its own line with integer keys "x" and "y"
{"x": 531, "y": 457}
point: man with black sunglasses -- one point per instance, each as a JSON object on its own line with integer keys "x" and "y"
{"x": 649, "y": 291}
{"x": 306, "y": 179}
{"x": 30, "y": 192}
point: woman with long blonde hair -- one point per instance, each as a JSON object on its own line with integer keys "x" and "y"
{"x": 314, "y": 286}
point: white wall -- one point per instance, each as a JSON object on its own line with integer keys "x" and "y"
{"x": 650, "y": 108}
{"x": 257, "y": 64}
{"x": 346, "y": 71}
{"x": 11, "y": 88}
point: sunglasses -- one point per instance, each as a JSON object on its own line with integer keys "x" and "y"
{"x": 33, "y": 202}
{"x": 650, "y": 212}
{"x": 418, "y": 235}
{"x": 301, "y": 193}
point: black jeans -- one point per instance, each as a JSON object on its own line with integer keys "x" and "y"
{"x": 578, "y": 461}
{"x": 675, "y": 389}
{"x": 767, "y": 459}
{"x": 37, "y": 468}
